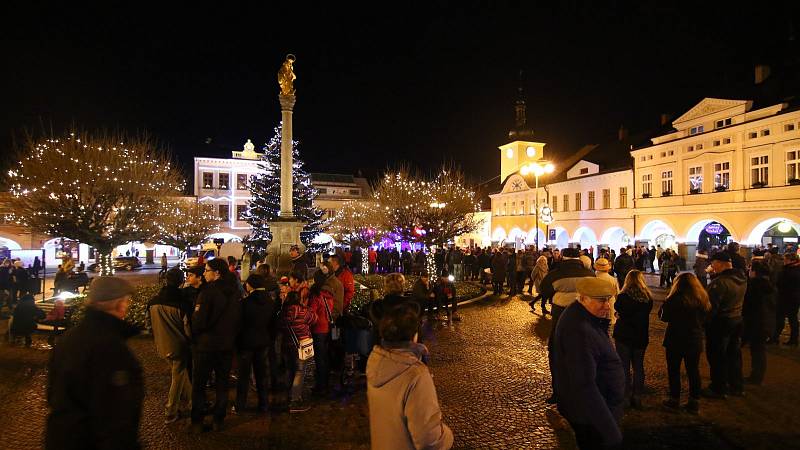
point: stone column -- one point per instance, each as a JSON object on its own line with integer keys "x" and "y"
{"x": 287, "y": 106}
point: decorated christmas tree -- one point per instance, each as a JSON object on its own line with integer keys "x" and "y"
{"x": 265, "y": 188}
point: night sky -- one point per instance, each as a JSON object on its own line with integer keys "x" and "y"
{"x": 378, "y": 87}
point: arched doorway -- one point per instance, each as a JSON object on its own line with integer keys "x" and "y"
{"x": 656, "y": 233}
{"x": 530, "y": 239}
{"x": 516, "y": 237}
{"x": 227, "y": 236}
{"x": 561, "y": 237}
{"x": 616, "y": 238}
{"x": 779, "y": 232}
{"x": 6, "y": 245}
{"x": 586, "y": 238}
{"x": 498, "y": 236}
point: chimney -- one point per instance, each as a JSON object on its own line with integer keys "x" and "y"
{"x": 762, "y": 73}
{"x": 622, "y": 134}
{"x": 664, "y": 119}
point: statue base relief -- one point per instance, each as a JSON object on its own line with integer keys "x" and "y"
{"x": 285, "y": 234}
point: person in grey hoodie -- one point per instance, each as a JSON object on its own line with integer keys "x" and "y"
{"x": 403, "y": 407}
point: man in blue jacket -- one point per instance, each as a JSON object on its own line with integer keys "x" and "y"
{"x": 589, "y": 378}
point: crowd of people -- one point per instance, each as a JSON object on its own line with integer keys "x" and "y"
{"x": 725, "y": 302}
{"x": 261, "y": 333}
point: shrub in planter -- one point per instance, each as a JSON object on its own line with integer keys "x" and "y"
{"x": 137, "y": 308}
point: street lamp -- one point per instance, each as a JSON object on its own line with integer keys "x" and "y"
{"x": 537, "y": 169}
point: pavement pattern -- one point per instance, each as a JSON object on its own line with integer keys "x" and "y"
{"x": 492, "y": 379}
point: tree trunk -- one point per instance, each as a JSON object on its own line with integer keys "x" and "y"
{"x": 365, "y": 261}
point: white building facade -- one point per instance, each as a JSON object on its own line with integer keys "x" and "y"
{"x": 224, "y": 183}
{"x": 726, "y": 172}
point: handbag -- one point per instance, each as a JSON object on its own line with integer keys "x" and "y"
{"x": 305, "y": 347}
{"x": 335, "y": 332}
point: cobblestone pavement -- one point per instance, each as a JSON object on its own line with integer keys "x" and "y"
{"x": 491, "y": 375}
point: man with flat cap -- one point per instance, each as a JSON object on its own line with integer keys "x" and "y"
{"x": 724, "y": 328}
{"x": 95, "y": 386}
{"x": 589, "y": 377}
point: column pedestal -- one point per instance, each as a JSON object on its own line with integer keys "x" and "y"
{"x": 285, "y": 233}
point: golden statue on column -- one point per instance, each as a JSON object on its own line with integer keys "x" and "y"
{"x": 286, "y": 76}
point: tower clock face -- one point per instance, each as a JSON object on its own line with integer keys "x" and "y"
{"x": 516, "y": 185}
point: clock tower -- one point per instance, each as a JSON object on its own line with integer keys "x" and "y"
{"x": 522, "y": 149}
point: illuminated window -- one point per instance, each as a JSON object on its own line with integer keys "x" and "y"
{"x": 522, "y": 207}
{"x": 623, "y": 197}
{"x": 666, "y": 182}
{"x": 591, "y": 200}
{"x": 510, "y": 153}
{"x": 723, "y": 123}
{"x": 241, "y": 212}
{"x": 696, "y": 130}
{"x": 792, "y": 165}
{"x": 224, "y": 180}
{"x": 722, "y": 175}
{"x": 241, "y": 182}
{"x": 647, "y": 184}
{"x": 696, "y": 179}
{"x": 606, "y": 198}
{"x": 759, "y": 170}
{"x": 208, "y": 180}
{"x": 224, "y": 212}
{"x": 531, "y": 152}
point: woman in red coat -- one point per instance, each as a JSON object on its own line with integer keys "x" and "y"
{"x": 321, "y": 304}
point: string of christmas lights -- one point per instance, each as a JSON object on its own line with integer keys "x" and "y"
{"x": 100, "y": 189}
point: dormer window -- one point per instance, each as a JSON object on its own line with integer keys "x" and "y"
{"x": 696, "y": 130}
{"x": 584, "y": 170}
{"x": 723, "y": 123}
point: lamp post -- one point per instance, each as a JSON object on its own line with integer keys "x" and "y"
{"x": 537, "y": 169}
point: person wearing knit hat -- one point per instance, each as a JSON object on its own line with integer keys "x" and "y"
{"x": 93, "y": 377}
{"x": 602, "y": 267}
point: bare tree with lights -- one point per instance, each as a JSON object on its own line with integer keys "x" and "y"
{"x": 359, "y": 224}
{"x": 432, "y": 212}
{"x": 183, "y": 224}
{"x": 100, "y": 189}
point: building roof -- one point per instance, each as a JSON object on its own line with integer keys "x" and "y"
{"x": 332, "y": 178}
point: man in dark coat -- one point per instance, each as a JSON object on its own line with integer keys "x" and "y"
{"x": 298, "y": 261}
{"x": 758, "y": 313}
{"x": 499, "y": 263}
{"x": 422, "y": 293}
{"x": 258, "y": 312}
{"x": 215, "y": 325}
{"x": 724, "y": 328}
{"x": 589, "y": 378}
{"x": 737, "y": 260}
{"x": 26, "y": 314}
{"x": 788, "y": 297}
{"x": 560, "y": 285}
{"x": 95, "y": 387}
{"x": 623, "y": 264}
